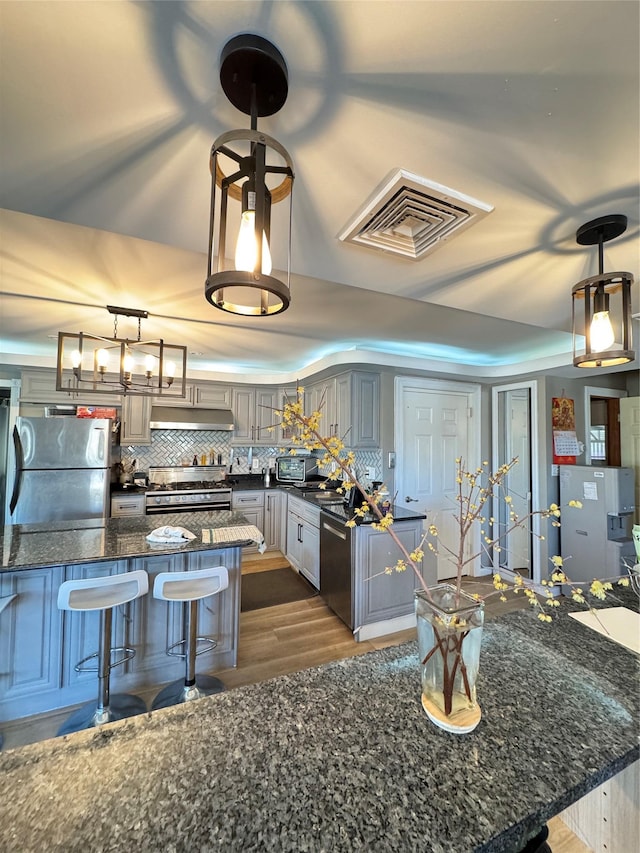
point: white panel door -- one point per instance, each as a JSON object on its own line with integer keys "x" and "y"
{"x": 436, "y": 430}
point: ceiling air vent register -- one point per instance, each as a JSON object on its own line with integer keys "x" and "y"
{"x": 412, "y": 216}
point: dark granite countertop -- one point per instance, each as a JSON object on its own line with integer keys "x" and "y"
{"x": 26, "y": 546}
{"x": 342, "y": 758}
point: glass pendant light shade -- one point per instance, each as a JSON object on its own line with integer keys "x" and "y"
{"x": 601, "y": 304}
{"x": 250, "y": 172}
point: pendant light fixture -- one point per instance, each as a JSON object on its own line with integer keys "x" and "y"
{"x": 250, "y": 173}
{"x": 116, "y": 365}
{"x": 604, "y": 318}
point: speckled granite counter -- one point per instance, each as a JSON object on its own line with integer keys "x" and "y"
{"x": 342, "y": 758}
{"x": 26, "y": 546}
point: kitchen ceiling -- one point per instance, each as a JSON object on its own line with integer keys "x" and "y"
{"x": 109, "y": 111}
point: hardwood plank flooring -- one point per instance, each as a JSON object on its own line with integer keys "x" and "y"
{"x": 281, "y": 640}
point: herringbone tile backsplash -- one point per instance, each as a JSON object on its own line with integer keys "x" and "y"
{"x": 179, "y": 447}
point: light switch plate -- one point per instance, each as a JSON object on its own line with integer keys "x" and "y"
{"x": 371, "y": 472}
{"x": 255, "y": 465}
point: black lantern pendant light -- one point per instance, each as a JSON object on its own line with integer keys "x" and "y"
{"x": 605, "y": 317}
{"x": 254, "y": 77}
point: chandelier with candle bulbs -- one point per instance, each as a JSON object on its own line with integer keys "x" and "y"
{"x": 119, "y": 365}
{"x": 250, "y": 173}
{"x": 601, "y": 304}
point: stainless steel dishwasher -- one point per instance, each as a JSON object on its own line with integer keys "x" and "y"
{"x": 335, "y": 567}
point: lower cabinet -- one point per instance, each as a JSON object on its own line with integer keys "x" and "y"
{"x": 251, "y": 505}
{"x": 123, "y": 505}
{"x": 275, "y": 520}
{"x": 303, "y": 539}
{"x": 380, "y": 596}
{"x": 31, "y": 642}
{"x": 41, "y": 644}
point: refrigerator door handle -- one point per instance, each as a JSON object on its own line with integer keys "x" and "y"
{"x": 19, "y": 467}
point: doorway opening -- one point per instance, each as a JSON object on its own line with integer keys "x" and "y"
{"x": 604, "y": 431}
{"x": 514, "y": 422}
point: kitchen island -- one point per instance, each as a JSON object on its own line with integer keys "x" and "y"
{"x": 342, "y": 758}
{"x": 41, "y": 644}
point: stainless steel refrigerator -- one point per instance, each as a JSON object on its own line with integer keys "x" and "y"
{"x": 596, "y": 539}
{"x": 62, "y": 469}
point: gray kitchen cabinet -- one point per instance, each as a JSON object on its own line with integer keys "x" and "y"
{"x": 274, "y": 520}
{"x": 365, "y": 409}
{"x": 303, "y": 539}
{"x": 177, "y": 402}
{"x": 379, "y": 596}
{"x": 321, "y": 397}
{"x": 284, "y": 395}
{"x": 213, "y": 395}
{"x": 254, "y": 415}
{"x": 31, "y": 632}
{"x": 123, "y": 505}
{"x": 39, "y": 386}
{"x": 349, "y": 406}
{"x": 251, "y": 505}
{"x": 135, "y": 420}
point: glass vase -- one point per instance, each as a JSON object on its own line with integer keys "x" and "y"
{"x": 449, "y": 637}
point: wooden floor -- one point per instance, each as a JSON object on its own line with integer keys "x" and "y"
{"x": 280, "y": 640}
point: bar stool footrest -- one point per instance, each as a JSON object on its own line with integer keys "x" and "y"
{"x": 126, "y": 652}
{"x": 210, "y": 645}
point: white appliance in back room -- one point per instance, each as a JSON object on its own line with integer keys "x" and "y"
{"x": 596, "y": 540}
{"x": 62, "y": 469}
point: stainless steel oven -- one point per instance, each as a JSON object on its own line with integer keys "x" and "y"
{"x": 187, "y": 489}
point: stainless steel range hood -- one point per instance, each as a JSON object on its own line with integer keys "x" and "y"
{"x": 167, "y": 417}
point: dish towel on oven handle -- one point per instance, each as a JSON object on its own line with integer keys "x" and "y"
{"x": 169, "y": 534}
{"x": 239, "y": 533}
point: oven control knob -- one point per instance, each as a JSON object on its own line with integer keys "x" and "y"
{"x": 158, "y": 500}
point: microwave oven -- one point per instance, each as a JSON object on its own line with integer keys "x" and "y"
{"x": 295, "y": 469}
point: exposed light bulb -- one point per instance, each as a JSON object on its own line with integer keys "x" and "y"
{"x": 76, "y": 359}
{"x": 246, "y": 249}
{"x": 170, "y": 369}
{"x": 602, "y": 336}
{"x": 149, "y": 363}
{"x": 102, "y": 359}
{"x": 127, "y": 363}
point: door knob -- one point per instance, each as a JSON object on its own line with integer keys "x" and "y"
{"x": 409, "y": 500}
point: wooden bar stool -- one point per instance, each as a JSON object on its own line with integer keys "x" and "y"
{"x": 190, "y": 587}
{"x": 103, "y": 594}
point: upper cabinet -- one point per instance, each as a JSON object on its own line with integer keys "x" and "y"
{"x": 349, "y": 406}
{"x": 135, "y": 420}
{"x": 213, "y": 395}
{"x": 254, "y": 415}
{"x": 39, "y": 386}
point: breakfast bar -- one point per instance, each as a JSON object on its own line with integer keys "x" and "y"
{"x": 41, "y": 644}
{"x": 342, "y": 758}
